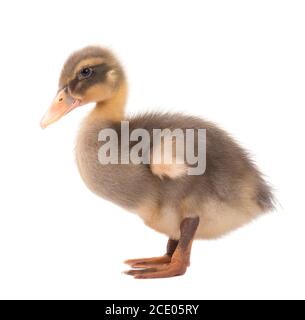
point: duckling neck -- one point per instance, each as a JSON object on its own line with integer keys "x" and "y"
{"x": 112, "y": 109}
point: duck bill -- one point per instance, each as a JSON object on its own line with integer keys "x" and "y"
{"x": 61, "y": 105}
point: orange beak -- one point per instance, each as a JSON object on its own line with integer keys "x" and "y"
{"x": 62, "y": 104}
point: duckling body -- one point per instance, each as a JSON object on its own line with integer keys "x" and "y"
{"x": 228, "y": 194}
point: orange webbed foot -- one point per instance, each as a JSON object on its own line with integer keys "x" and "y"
{"x": 148, "y": 262}
{"x": 169, "y": 270}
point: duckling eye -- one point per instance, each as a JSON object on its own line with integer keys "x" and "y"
{"x": 85, "y": 73}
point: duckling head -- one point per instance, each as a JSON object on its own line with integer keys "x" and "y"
{"x": 92, "y": 74}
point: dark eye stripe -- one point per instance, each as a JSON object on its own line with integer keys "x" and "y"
{"x": 103, "y": 67}
{"x": 99, "y": 73}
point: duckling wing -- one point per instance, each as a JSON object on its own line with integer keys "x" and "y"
{"x": 167, "y": 158}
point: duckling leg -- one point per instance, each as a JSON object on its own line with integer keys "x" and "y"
{"x": 180, "y": 259}
{"x": 151, "y": 262}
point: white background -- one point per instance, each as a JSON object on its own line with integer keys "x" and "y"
{"x": 238, "y": 63}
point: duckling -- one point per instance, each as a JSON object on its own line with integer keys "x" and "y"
{"x": 228, "y": 194}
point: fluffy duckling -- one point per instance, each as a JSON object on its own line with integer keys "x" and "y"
{"x": 230, "y": 193}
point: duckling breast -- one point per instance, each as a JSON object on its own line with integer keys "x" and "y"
{"x": 124, "y": 184}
